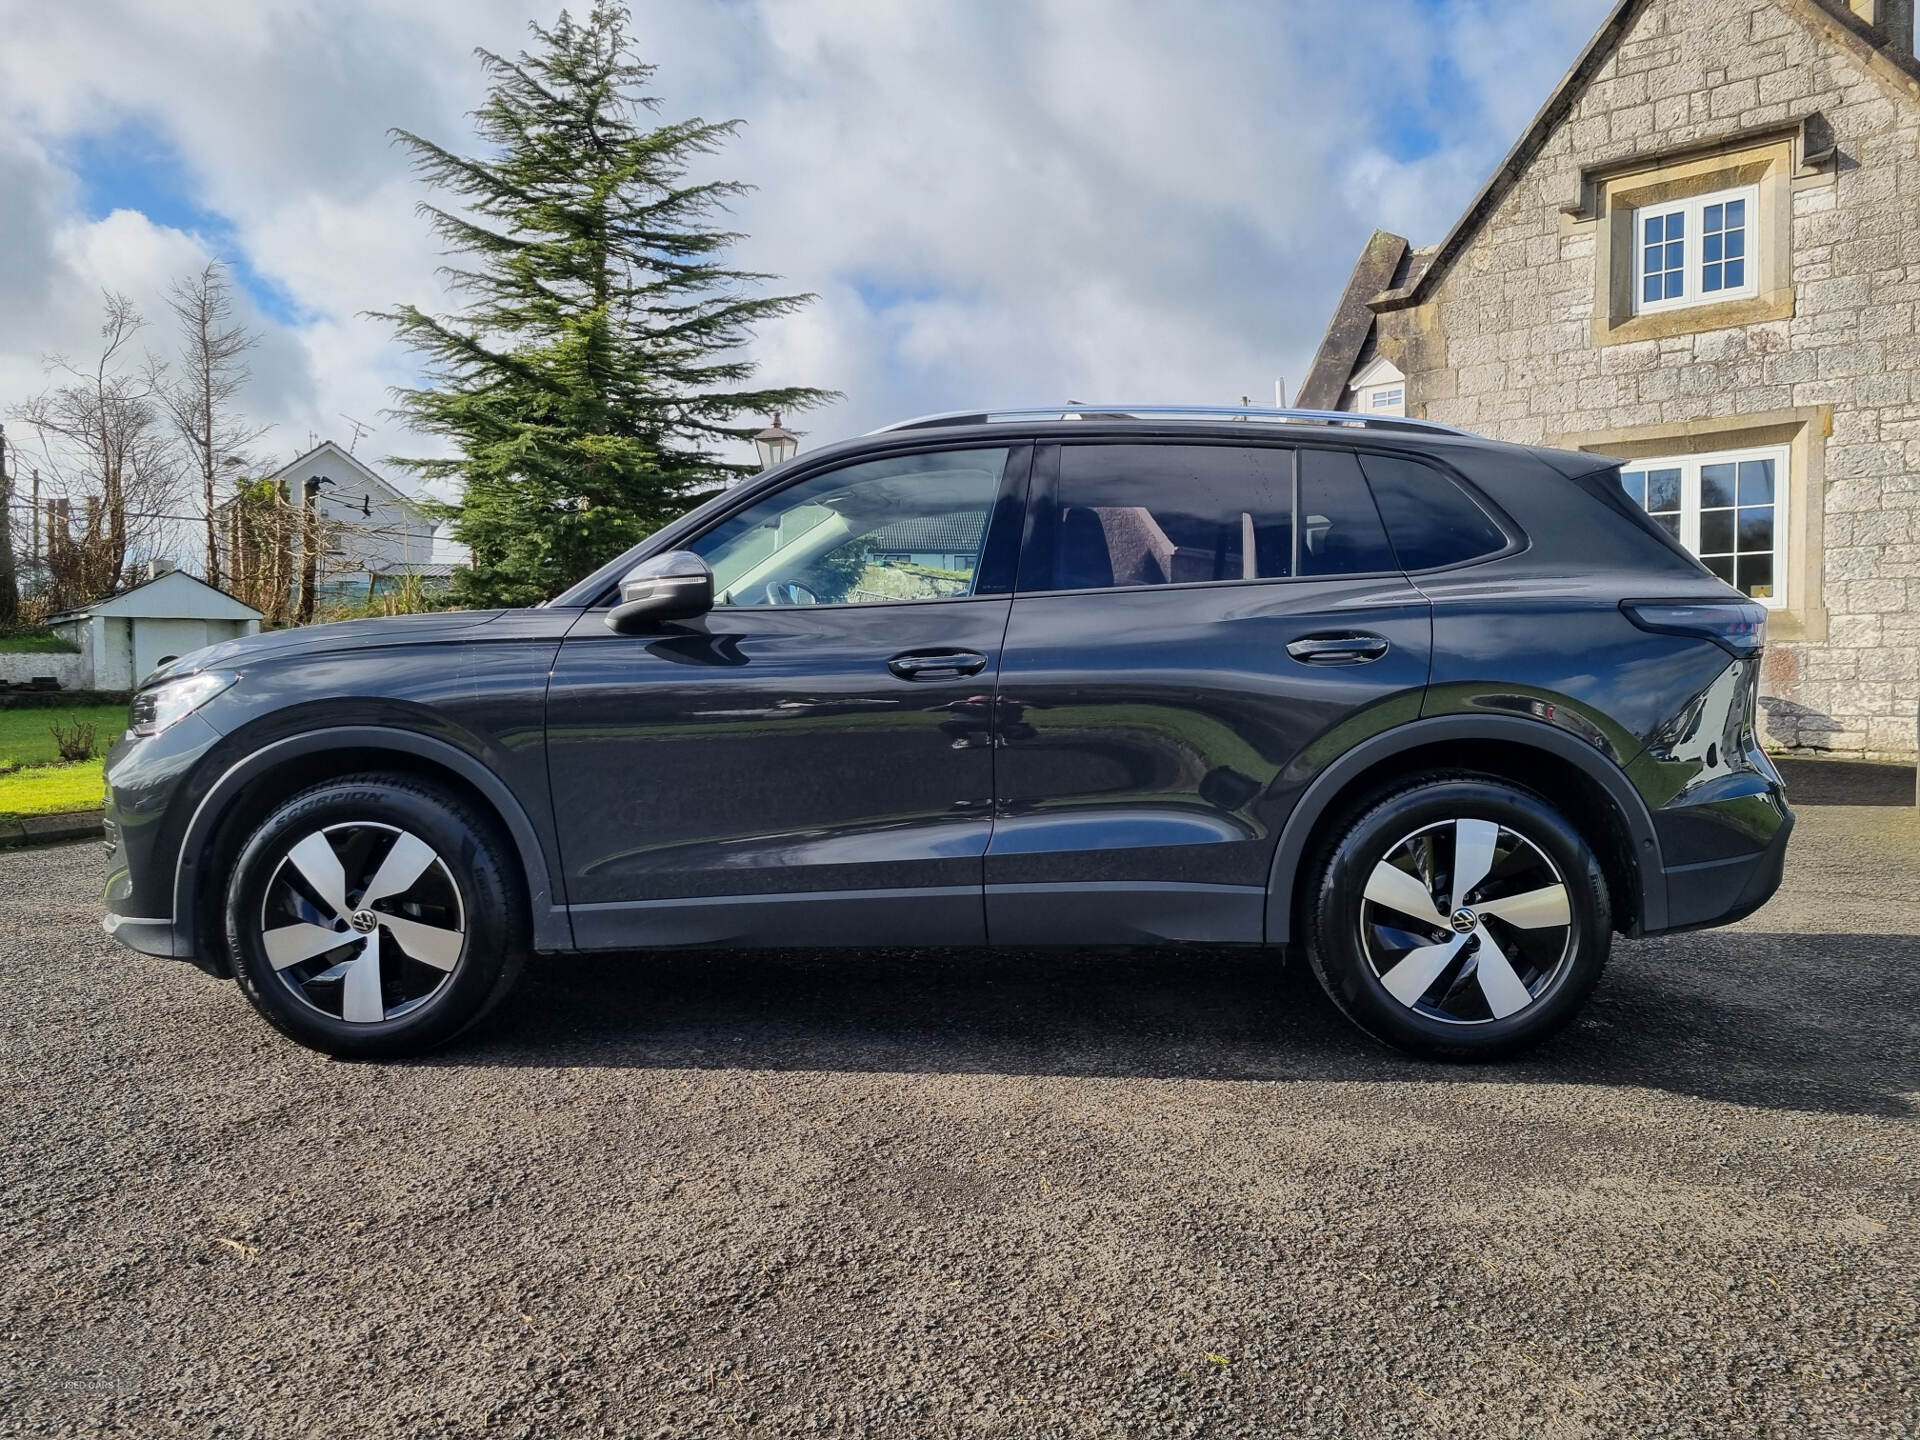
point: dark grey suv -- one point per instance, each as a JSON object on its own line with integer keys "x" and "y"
{"x": 1440, "y": 713}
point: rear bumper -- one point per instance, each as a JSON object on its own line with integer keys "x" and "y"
{"x": 1719, "y": 892}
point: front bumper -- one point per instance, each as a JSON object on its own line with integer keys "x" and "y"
{"x": 147, "y": 793}
{"x": 149, "y": 936}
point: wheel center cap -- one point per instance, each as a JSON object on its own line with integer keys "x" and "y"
{"x": 1463, "y": 922}
{"x": 364, "y": 921}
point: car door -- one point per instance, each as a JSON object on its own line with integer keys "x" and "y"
{"x": 811, "y": 761}
{"x": 1198, "y": 625}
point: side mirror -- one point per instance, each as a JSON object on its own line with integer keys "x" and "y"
{"x": 674, "y": 586}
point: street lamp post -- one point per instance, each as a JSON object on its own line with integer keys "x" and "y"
{"x": 776, "y": 444}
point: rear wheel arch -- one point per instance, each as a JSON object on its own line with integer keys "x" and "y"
{"x": 1594, "y": 794}
{"x": 256, "y": 784}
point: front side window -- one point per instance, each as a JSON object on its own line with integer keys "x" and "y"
{"x": 1695, "y": 252}
{"x": 910, "y": 527}
{"x": 1726, "y": 508}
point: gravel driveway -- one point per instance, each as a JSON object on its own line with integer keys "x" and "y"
{"x": 1032, "y": 1194}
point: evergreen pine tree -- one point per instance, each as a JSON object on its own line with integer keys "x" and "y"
{"x": 594, "y": 370}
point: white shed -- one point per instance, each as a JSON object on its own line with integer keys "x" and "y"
{"x": 125, "y": 637}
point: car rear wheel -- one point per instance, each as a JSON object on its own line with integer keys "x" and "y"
{"x": 1461, "y": 918}
{"x": 373, "y": 916}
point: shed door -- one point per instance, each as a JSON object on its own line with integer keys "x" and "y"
{"x": 157, "y": 640}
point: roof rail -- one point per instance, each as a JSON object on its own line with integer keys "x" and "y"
{"x": 1256, "y": 414}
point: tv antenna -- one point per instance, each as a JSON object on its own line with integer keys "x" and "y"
{"x": 360, "y": 428}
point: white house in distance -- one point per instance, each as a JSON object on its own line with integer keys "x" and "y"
{"x": 124, "y": 637}
{"x": 376, "y": 534}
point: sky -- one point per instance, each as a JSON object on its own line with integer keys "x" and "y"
{"x": 997, "y": 202}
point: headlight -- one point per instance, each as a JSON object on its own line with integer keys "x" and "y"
{"x": 167, "y": 704}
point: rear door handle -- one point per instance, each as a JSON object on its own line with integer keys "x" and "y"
{"x": 937, "y": 664}
{"x": 1337, "y": 649}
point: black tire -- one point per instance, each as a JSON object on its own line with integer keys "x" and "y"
{"x": 464, "y": 910}
{"x": 1468, "y": 1012}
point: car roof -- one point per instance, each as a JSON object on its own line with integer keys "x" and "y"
{"x": 1265, "y": 428}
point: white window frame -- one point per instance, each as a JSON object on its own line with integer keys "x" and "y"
{"x": 1693, "y": 263}
{"x": 1381, "y": 377}
{"x": 1690, "y": 467}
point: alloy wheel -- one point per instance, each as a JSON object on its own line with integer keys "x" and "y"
{"x": 1466, "y": 922}
{"x": 363, "y": 922}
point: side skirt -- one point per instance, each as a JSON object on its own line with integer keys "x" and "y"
{"x": 1106, "y": 913}
{"x": 943, "y": 915}
{"x": 1125, "y": 912}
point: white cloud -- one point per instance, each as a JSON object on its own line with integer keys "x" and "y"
{"x": 995, "y": 201}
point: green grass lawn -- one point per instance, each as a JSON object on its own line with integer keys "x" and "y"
{"x": 34, "y": 642}
{"x": 26, "y": 734}
{"x": 52, "y": 789}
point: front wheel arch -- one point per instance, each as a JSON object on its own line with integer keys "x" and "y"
{"x": 391, "y": 895}
{"x": 279, "y": 770}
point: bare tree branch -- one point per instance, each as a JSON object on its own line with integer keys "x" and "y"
{"x": 213, "y": 371}
{"x": 104, "y": 433}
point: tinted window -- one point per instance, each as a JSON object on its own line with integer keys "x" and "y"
{"x": 1171, "y": 514}
{"x": 909, "y": 527}
{"x": 1430, "y": 519}
{"x": 1340, "y": 531}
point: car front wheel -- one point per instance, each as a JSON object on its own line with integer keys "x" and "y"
{"x": 1461, "y": 918}
{"x": 373, "y": 916}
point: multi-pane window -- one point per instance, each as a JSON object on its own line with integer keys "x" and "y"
{"x": 1695, "y": 252}
{"x": 1387, "y": 399}
{"x": 1729, "y": 509}
{"x": 1663, "y": 256}
{"x": 1723, "y": 246}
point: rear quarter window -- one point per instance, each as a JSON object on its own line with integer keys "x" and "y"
{"x": 1430, "y": 519}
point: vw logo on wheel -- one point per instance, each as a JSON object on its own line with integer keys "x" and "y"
{"x": 1463, "y": 921}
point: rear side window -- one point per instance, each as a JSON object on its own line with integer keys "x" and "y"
{"x": 1170, "y": 515}
{"x": 1431, "y": 520}
{"x": 1340, "y": 531}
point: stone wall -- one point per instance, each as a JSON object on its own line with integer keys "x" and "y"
{"x": 1504, "y": 345}
{"x": 72, "y": 671}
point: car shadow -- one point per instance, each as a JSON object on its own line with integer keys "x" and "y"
{"x": 1847, "y": 782}
{"x": 1796, "y": 1022}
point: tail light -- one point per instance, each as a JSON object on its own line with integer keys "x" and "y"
{"x": 1738, "y": 627}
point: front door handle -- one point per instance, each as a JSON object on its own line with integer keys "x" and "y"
{"x": 937, "y": 664}
{"x": 1337, "y": 649}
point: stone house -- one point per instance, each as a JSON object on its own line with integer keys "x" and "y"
{"x": 1703, "y": 257}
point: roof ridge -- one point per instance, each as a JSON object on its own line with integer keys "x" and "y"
{"x": 414, "y": 501}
